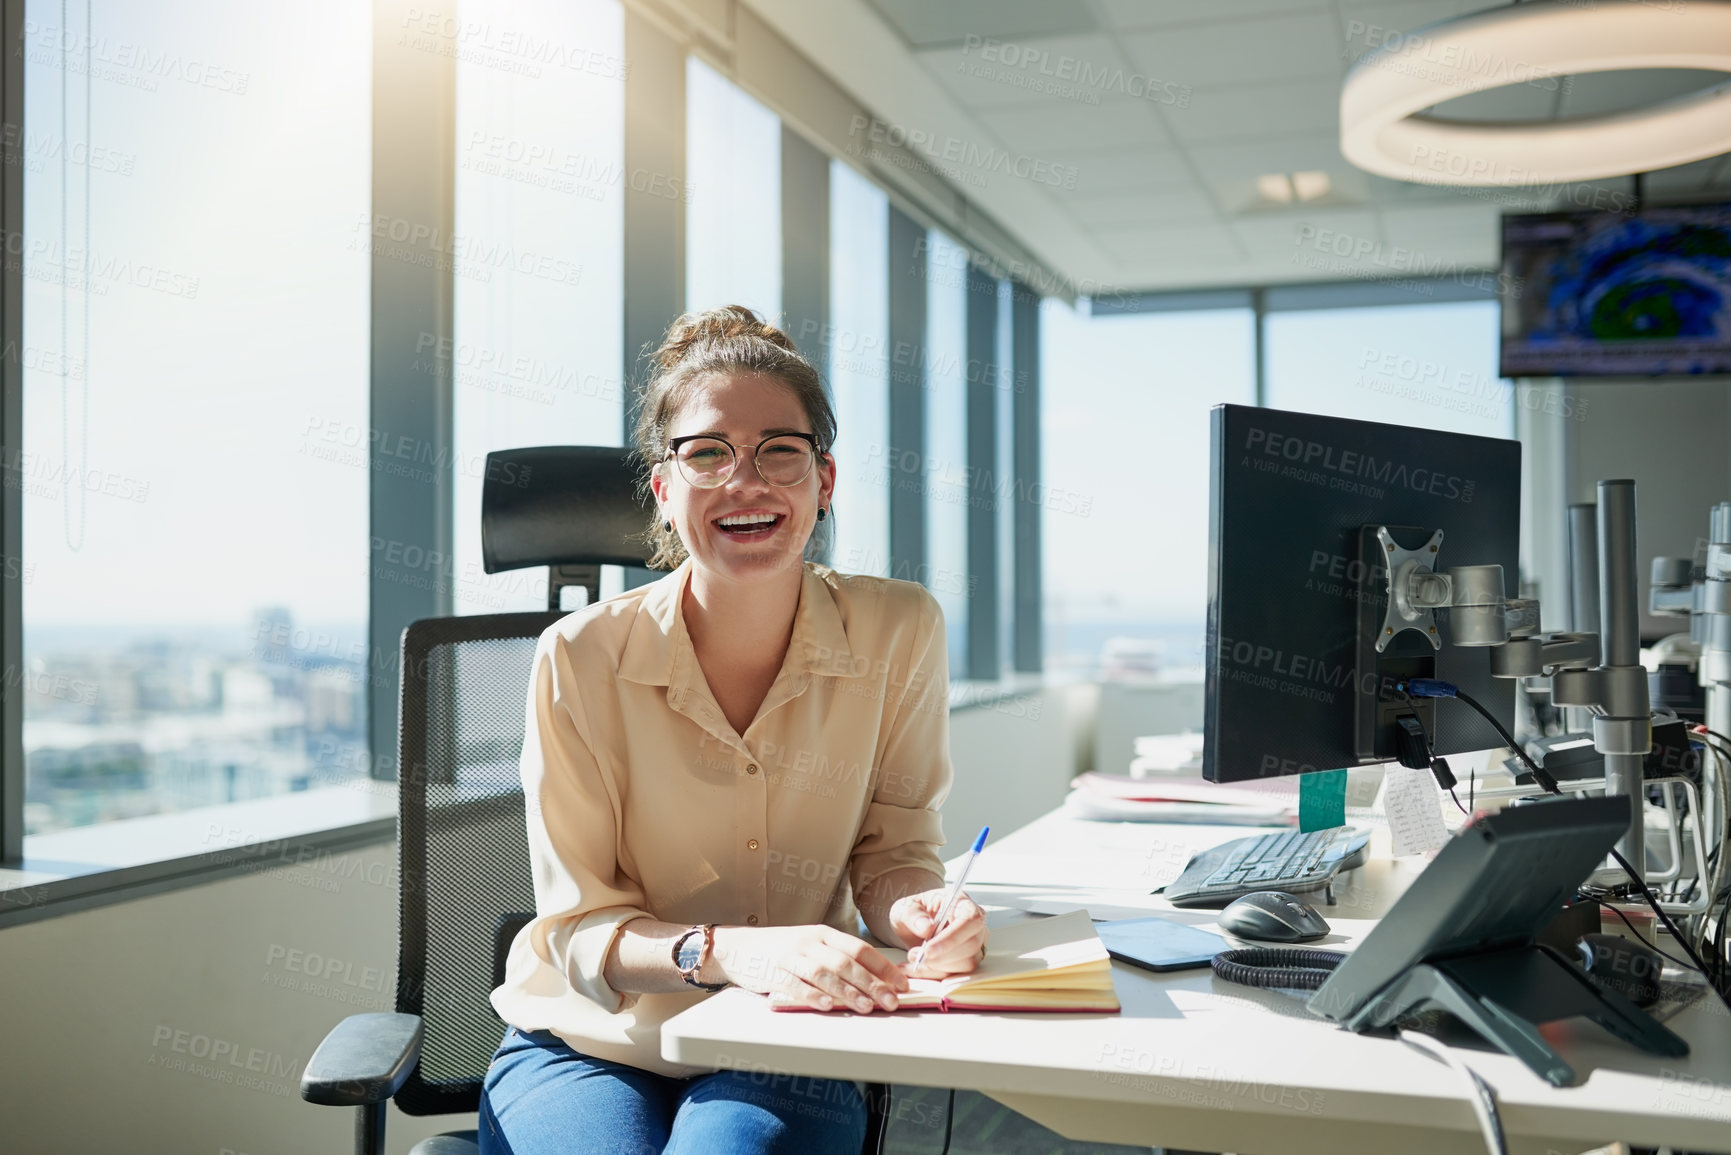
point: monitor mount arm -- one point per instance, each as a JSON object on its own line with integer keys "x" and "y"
{"x": 1613, "y": 687}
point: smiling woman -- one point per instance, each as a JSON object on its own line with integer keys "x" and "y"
{"x": 685, "y": 825}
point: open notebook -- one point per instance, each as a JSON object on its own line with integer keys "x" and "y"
{"x": 1043, "y": 964}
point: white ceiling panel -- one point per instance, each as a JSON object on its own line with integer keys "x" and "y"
{"x": 1165, "y": 195}
{"x": 1317, "y": 246}
{"x": 1367, "y": 26}
{"x": 924, "y": 23}
{"x": 1218, "y": 114}
{"x": 1063, "y": 125}
{"x": 1535, "y": 100}
{"x": 1128, "y": 15}
{"x": 1599, "y": 93}
{"x": 1264, "y": 51}
{"x": 1082, "y": 70}
{"x": 1710, "y": 177}
{"x": 1445, "y": 229}
{"x": 1236, "y": 162}
{"x": 1114, "y": 170}
{"x": 1147, "y": 208}
{"x": 1169, "y": 248}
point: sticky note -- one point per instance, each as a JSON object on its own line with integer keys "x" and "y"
{"x": 1322, "y": 800}
{"x": 1413, "y": 804}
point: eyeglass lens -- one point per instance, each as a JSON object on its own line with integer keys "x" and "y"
{"x": 708, "y": 461}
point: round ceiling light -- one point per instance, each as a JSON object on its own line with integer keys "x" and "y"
{"x": 1536, "y": 43}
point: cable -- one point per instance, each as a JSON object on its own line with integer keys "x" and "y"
{"x": 1435, "y": 688}
{"x": 1673, "y": 959}
{"x": 1484, "y": 1100}
{"x": 1277, "y": 968}
{"x": 949, "y": 1118}
{"x": 1540, "y": 774}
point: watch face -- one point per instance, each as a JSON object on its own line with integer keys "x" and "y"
{"x": 689, "y": 953}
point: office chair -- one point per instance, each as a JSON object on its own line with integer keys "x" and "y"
{"x": 464, "y": 872}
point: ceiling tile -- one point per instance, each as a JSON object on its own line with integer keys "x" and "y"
{"x": 1229, "y": 164}
{"x": 1535, "y": 100}
{"x": 1047, "y": 128}
{"x": 1307, "y": 106}
{"x": 1124, "y": 15}
{"x": 1147, "y": 208}
{"x": 924, "y": 23}
{"x": 1370, "y": 25}
{"x": 1599, "y": 93}
{"x": 1445, "y": 229}
{"x": 1118, "y": 170}
{"x": 1243, "y": 52}
{"x": 1689, "y": 179}
{"x": 1084, "y": 70}
{"x": 1317, "y": 245}
{"x": 1137, "y": 249}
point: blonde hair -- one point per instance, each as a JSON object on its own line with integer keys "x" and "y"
{"x": 724, "y": 341}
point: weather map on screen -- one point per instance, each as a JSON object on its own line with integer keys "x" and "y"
{"x": 1613, "y": 294}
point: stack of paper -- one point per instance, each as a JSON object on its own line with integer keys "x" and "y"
{"x": 1124, "y": 798}
{"x": 1163, "y": 755}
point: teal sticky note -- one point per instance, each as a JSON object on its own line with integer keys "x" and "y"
{"x": 1322, "y": 800}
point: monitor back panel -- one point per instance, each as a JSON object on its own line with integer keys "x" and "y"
{"x": 1289, "y": 495}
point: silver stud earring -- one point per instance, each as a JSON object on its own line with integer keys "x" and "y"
{"x": 667, "y": 526}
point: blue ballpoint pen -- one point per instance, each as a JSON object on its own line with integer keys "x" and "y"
{"x": 915, "y": 955}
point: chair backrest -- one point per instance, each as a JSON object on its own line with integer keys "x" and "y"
{"x": 462, "y": 851}
{"x": 573, "y": 508}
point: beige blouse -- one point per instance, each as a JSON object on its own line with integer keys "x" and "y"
{"x": 641, "y": 800}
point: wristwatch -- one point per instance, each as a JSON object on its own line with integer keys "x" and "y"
{"x": 688, "y": 956}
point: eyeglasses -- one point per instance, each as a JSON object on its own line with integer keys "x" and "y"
{"x": 707, "y": 462}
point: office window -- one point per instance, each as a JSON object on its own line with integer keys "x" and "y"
{"x": 197, "y": 191}
{"x": 1427, "y": 365}
{"x": 1003, "y": 488}
{"x": 733, "y": 214}
{"x": 858, "y": 368}
{"x": 945, "y": 464}
{"x": 1125, "y": 452}
{"x": 539, "y": 317}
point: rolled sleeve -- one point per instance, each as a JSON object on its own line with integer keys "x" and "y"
{"x": 572, "y": 808}
{"x": 902, "y": 826}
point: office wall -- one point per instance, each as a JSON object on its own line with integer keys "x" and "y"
{"x": 1014, "y": 759}
{"x": 179, "y": 1024}
{"x": 1672, "y": 437}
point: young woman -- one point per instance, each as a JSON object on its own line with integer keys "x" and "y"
{"x": 725, "y": 771}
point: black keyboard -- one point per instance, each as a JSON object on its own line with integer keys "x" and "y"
{"x": 1284, "y": 860}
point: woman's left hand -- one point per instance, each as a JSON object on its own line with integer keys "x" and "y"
{"x": 955, "y": 950}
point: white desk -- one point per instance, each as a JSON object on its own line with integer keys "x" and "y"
{"x": 1199, "y": 1063}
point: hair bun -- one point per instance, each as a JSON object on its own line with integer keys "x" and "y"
{"x": 727, "y": 323}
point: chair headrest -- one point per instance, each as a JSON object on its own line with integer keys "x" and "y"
{"x": 563, "y": 505}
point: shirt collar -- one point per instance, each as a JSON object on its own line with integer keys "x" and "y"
{"x": 658, "y": 638}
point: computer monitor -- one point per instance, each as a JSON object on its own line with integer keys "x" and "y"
{"x": 1297, "y": 588}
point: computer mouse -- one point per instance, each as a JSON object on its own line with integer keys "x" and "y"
{"x": 1630, "y": 968}
{"x": 1272, "y": 916}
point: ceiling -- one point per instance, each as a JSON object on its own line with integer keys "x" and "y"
{"x": 1148, "y": 123}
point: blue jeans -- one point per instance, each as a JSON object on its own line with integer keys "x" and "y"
{"x": 540, "y": 1097}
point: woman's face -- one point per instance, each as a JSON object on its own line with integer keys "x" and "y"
{"x": 743, "y": 409}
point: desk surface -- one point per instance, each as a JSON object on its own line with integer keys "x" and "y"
{"x": 1196, "y": 1062}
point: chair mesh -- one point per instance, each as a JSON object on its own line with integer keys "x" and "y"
{"x": 465, "y": 854}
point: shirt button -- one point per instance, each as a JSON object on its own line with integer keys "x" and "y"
{"x": 752, "y": 768}
{"x": 752, "y": 845}
{"x": 752, "y": 919}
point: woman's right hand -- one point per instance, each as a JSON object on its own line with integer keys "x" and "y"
{"x": 813, "y": 966}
